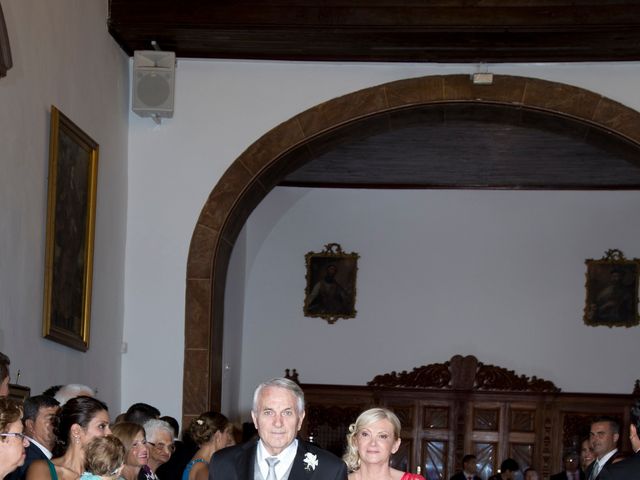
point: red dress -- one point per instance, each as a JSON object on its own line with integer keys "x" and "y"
{"x": 412, "y": 476}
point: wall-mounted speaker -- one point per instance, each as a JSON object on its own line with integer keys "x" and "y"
{"x": 153, "y": 84}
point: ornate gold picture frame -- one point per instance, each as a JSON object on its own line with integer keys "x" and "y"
{"x": 612, "y": 291}
{"x": 331, "y": 284}
{"x": 73, "y": 170}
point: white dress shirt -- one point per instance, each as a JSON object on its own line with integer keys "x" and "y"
{"x": 286, "y": 458}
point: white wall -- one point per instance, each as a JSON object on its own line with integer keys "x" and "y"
{"x": 495, "y": 274}
{"x": 221, "y": 108}
{"x": 62, "y": 55}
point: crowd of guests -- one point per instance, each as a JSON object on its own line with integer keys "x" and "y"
{"x": 66, "y": 433}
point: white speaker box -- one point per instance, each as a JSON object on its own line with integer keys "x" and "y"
{"x": 153, "y": 84}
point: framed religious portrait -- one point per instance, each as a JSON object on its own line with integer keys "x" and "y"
{"x": 331, "y": 284}
{"x": 612, "y": 291}
{"x": 73, "y": 170}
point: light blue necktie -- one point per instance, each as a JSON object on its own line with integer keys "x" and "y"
{"x": 272, "y": 461}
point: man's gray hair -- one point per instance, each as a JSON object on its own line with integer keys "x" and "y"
{"x": 281, "y": 382}
{"x": 73, "y": 390}
{"x": 151, "y": 427}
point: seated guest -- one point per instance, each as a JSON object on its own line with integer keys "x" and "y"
{"x": 469, "y": 469}
{"x": 371, "y": 441}
{"x": 211, "y": 431}
{"x": 531, "y": 474}
{"x": 81, "y": 420}
{"x": 73, "y": 390}
{"x": 173, "y": 469}
{"x": 12, "y": 441}
{"x": 629, "y": 468}
{"x": 136, "y": 457}
{"x": 277, "y": 413}
{"x": 587, "y": 456}
{"x": 160, "y": 441}
{"x": 509, "y": 469}
{"x": 39, "y": 420}
{"x": 572, "y": 471}
{"x": 104, "y": 459}
{"x": 4, "y": 375}
{"x": 141, "y": 413}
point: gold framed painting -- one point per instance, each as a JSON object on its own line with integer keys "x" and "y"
{"x": 331, "y": 284}
{"x": 612, "y": 291}
{"x": 71, "y": 210}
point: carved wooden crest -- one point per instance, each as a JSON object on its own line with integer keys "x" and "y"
{"x": 464, "y": 373}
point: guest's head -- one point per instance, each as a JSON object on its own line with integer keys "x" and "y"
{"x": 587, "y": 456}
{"x": 604, "y": 435}
{"x": 277, "y": 413}
{"x": 173, "y": 423}
{"x": 377, "y": 427}
{"x": 40, "y": 419}
{"x": 134, "y": 440}
{"x": 141, "y": 413}
{"x": 4, "y": 375}
{"x": 104, "y": 457}
{"x": 82, "y": 419}
{"x": 73, "y": 390}
{"x": 212, "y": 428}
{"x": 470, "y": 464}
{"x": 508, "y": 469}
{"x": 531, "y": 474}
{"x": 12, "y": 441}
{"x": 160, "y": 440}
{"x": 571, "y": 461}
{"x": 634, "y": 427}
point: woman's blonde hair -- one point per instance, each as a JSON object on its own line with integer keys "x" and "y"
{"x": 104, "y": 456}
{"x": 351, "y": 457}
{"x": 10, "y": 412}
{"x": 126, "y": 433}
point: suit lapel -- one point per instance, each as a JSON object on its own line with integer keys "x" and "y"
{"x": 247, "y": 461}
{"x": 298, "y": 472}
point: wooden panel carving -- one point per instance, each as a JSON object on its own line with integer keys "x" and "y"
{"x": 435, "y": 418}
{"x": 434, "y": 459}
{"x": 522, "y": 453}
{"x": 522, "y": 420}
{"x": 486, "y": 420}
{"x": 463, "y": 373}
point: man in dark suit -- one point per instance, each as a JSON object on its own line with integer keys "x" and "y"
{"x": 278, "y": 412}
{"x": 39, "y": 419}
{"x": 604, "y": 435}
{"x": 629, "y": 468}
{"x": 572, "y": 471}
{"x": 469, "y": 469}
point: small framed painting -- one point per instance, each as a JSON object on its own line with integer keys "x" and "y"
{"x": 612, "y": 291}
{"x": 331, "y": 284}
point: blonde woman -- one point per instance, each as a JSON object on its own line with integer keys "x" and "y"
{"x": 371, "y": 441}
{"x": 211, "y": 431}
{"x": 136, "y": 457}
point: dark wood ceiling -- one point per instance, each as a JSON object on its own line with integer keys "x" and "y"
{"x": 438, "y": 147}
{"x": 378, "y": 30}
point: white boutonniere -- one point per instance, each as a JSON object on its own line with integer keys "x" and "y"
{"x": 311, "y": 461}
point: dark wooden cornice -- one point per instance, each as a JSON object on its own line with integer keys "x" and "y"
{"x": 334, "y": 30}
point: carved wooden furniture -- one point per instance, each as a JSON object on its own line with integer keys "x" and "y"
{"x": 464, "y": 406}
{"x": 5, "y": 50}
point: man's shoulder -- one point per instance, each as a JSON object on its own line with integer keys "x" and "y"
{"x": 625, "y": 465}
{"x": 233, "y": 452}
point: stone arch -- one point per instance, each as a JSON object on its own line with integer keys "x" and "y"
{"x": 284, "y": 149}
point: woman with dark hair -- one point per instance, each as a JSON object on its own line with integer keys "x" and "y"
{"x": 12, "y": 441}
{"x": 211, "y": 431}
{"x": 134, "y": 440}
{"x": 81, "y": 420}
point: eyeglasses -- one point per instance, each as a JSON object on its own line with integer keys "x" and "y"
{"x": 21, "y": 436}
{"x": 161, "y": 446}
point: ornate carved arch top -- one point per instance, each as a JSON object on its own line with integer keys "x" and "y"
{"x": 464, "y": 373}
{"x": 5, "y": 51}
